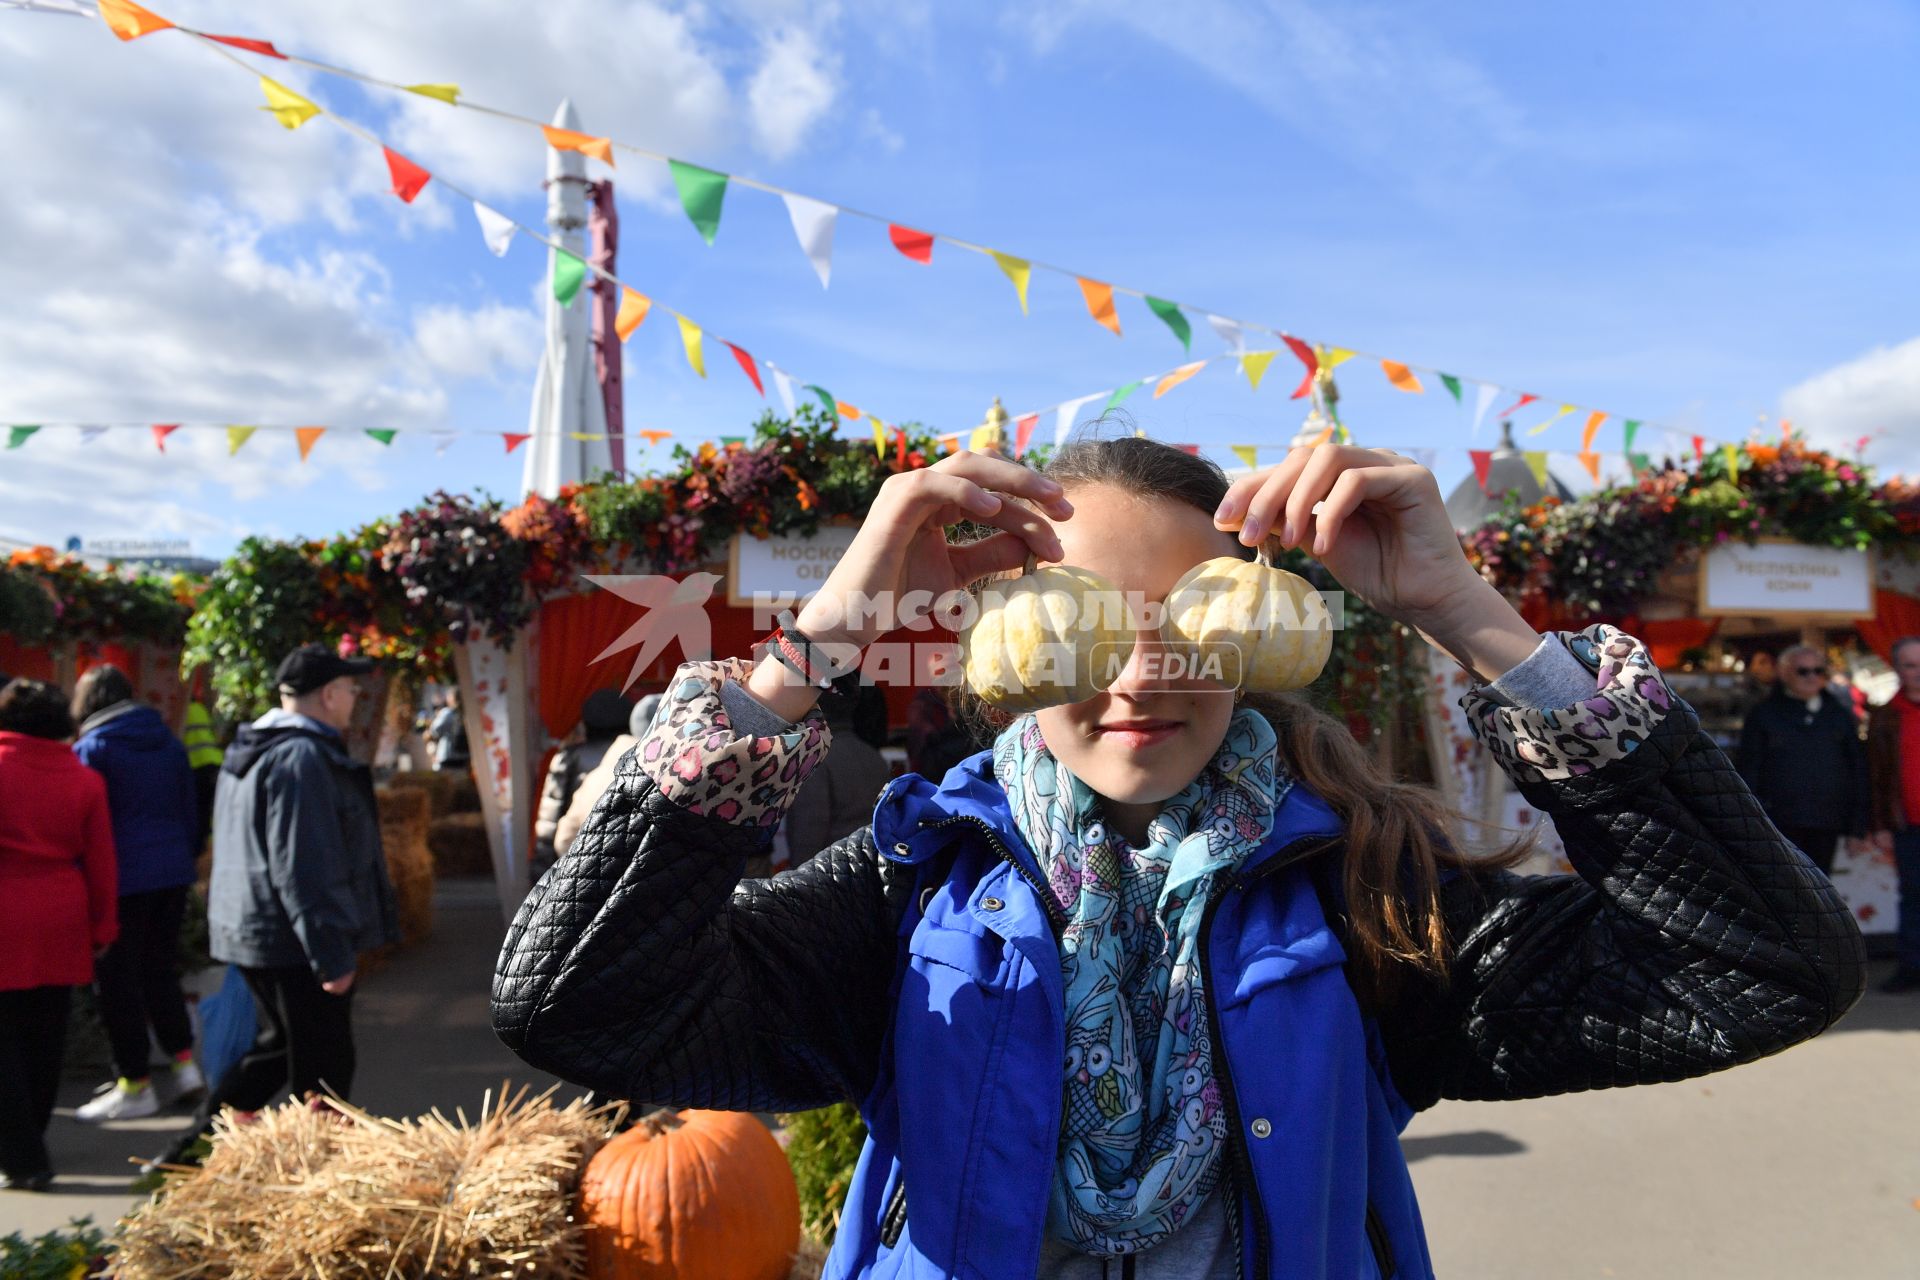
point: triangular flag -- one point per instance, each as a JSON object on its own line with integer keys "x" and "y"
{"x": 88, "y": 434}
{"x": 17, "y": 436}
{"x": 1023, "y": 431}
{"x": 305, "y": 437}
{"x": 408, "y": 177}
{"x": 917, "y": 245}
{"x": 1591, "y": 429}
{"x": 1482, "y": 460}
{"x": 495, "y": 228}
{"x": 1326, "y": 434}
{"x": 1638, "y": 462}
{"x": 1308, "y": 358}
{"x": 733, "y": 442}
{"x": 701, "y": 194}
{"x": 1177, "y": 377}
{"x": 264, "y": 47}
{"x": 443, "y": 441}
{"x": 569, "y": 271}
{"x": 983, "y": 438}
{"x": 813, "y": 222}
{"x": 1517, "y": 405}
{"x": 1630, "y": 428}
{"x": 1192, "y": 450}
{"x": 515, "y": 440}
{"x": 161, "y": 430}
{"x": 1482, "y": 403}
{"x": 633, "y": 309}
{"x": 655, "y": 435}
{"x": 1558, "y": 414}
{"x": 1100, "y": 303}
{"x": 690, "y": 338}
{"x": 600, "y": 149}
{"x": 1591, "y": 461}
{"x": 747, "y": 367}
{"x": 1699, "y": 449}
{"x": 1425, "y": 457}
{"x": 238, "y": 436}
{"x": 1175, "y": 319}
{"x": 783, "y": 384}
{"x": 288, "y": 107}
{"x": 1254, "y": 365}
{"x": 825, "y": 397}
{"x": 1401, "y": 376}
{"x": 1068, "y": 415}
{"x": 1119, "y": 397}
{"x": 129, "y": 21}
{"x": 1452, "y": 384}
{"x": 1731, "y": 452}
{"x": 1537, "y": 463}
{"x": 850, "y": 412}
{"x": 384, "y": 435}
{"x": 584, "y": 435}
{"x": 899, "y": 448}
{"x": 1335, "y": 358}
{"x": 1231, "y": 332}
{"x": 447, "y": 93}
{"x": 1018, "y": 270}
{"x": 1248, "y": 453}
{"x": 879, "y": 437}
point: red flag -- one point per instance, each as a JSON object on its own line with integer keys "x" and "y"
{"x": 747, "y": 367}
{"x": 1699, "y": 449}
{"x": 917, "y": 245}
{"x": 1193, "y": 449}
{"x": 1482, "y": 459}
{"x": 514, "y": 441}
{"x": 1521, "y": 403}
{"x": 161, "y": 430}
{"x": 408, "y": 177}
{"x": 900, "y": 448}
{"x": 251, "y": 46}
{"x": 1023, "y": 432}
{"x": 1307, "y": 358}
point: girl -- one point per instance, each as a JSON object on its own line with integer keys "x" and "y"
{"x": 1151, "y": 988}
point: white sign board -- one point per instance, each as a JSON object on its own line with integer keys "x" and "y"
{"x": 786, "y": 567}
{"x": 1779, "y": 577}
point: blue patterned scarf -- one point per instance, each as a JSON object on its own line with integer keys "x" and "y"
{"x": 1144, "y": 1123}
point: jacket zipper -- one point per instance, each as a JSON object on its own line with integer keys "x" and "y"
{"x": 1056, "y": 916}
{"x": 894, "y": 1220}
{"x": 1382, "y": 1246}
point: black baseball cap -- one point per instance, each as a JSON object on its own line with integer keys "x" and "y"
{"x": 312, "y": 666}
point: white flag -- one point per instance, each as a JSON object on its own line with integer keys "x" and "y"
{"x": 1069, "y": 412}
{"x": 443, "y": 440}
{"x": 497, "y": 227}
{"x": 1230, "y": 332}
{"x": 783, "y": 383}
{"x": 1425, "y": 457}
{"x": 89, "y": 434}
{"x": 813, "y": 226}
{"x": 1485, "y": 402}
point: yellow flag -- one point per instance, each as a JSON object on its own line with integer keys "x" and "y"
{"x": 1254, "y": 365}
{"x": 129, "y": 21}
{"x": 585, "y": 435}
{"x": 1177, "y": 377}
{"x": 633, "y": 309}
{"x": 1018, "y": 270}
{"x": 1401, "y": 376}
{"x": 1731, "y": 452}
{"x": 305, "y": 436}
{"x": 1537, "y": 463}
{"x": 288, "y": 107}
{"x": 983, "y": 438}
{"x": 879, "y": 436}
{"x": 447, "y": 93}
{"x": 1248, "y": 453}
{"x": 1558, "y": 414}
{"x": 690, "y": 338}
{"x": 1335, "y": 358}
{"x": 237, "y": 436}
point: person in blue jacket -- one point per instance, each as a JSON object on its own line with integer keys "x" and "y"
{"x": 151, "y": 794}
{"x": 1150, "y": 988}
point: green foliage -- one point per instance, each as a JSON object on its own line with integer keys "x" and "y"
{"x": 823, "y": 1146}
{"x": 260, "y": 604}
{"x": 79, "y": 1251}
{"x": 26, "y": 607}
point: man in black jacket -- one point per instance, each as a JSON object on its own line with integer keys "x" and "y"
{"x": 1802, "y": 754}
{"x": 299, "y": 886}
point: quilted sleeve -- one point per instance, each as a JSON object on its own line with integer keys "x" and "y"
{"x": 643, "y": 967}
{"x": 1692, "y": 938}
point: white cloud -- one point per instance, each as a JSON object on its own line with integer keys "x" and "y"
{"x": 791, "y": 92}
{"x": 489, "y": 342}
{"x": 1876, "y": 395}
{"x": 874, "y": 128}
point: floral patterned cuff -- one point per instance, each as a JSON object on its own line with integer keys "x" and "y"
{"x": 698, "y": 760}
{"x": 1550, "y": 745}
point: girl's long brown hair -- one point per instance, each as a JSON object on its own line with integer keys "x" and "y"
{"x": 1396, "y": 842}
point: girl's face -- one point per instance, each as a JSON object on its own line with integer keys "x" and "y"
{"x": 1148, "y": 736}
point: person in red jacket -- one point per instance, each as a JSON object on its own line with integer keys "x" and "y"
{"x": 58, "y": 891}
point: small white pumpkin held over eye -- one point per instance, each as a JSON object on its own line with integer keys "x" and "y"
{"x": 1267, "y": 628}
{"x": 1047, "y": 638}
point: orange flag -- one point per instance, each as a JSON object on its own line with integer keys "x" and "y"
{"x": 846, "y": 410}
{"x": 633, "y": 309}
{"x": 1326, "y": 434}
{"x": 1177, "y": 377}
{"x": 1587, "y": 434}
{"x": 1401, "y": 376}
{"x": 655, "y": 436}
{"x": 1591, "y": 461}
{"x": 600, "y": 149}
{"x": 306, "y": 436}
{"x": 1100, "y": 303}
{"x": 129, "y": 21}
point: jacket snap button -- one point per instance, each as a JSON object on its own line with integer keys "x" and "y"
{"x": 1262, "y": 1128}
{"x": 991, "y": 904}
{"x": 901, "y": 850}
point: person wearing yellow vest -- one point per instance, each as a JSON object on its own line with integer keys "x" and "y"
{"x": 204, "y": 756}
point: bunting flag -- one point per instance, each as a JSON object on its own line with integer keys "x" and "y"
{"x": 89, "y": 434}
{"x": 443, "y": 441}
{"x": 1231, "y": 332}
{"x": 1630, "y": 428}
{"x": 1699, "y": 449}
{"x": 1482, "y": 403}
{"x": 1536, "y": 463}
{"x": 847, "y": 411}
{"x": 600, "y": 149}
{"x": 1018, "y": 270}
{"x": 1639, "y": 462}
{"x": 288, "y": 107}
{"x": 1254, "y": 365}
{"x": 1482, "y": 460}
{"x": 654, "y": 436}
{"x": 983, "y": 438}
{"x": 900, "y": 448}
{"x": 783, "y": 384}
{"x": 1175, "y": 319}
{"x": 1591, "y": 461}
{"x": 237, "y": 437}
{"x": 701, "y": 193}
{"x": 17, "y": 436}
{"x": 495, "y": 228}
{"x": 1335, "y": 358}
{"x": 1558, "y": 414}
{"x": 1518, "y": 405}
{"x": 825, "y": 397}
{"x": 1590, "y": 430}
{"x": 1119, "y": 397}
{"x": 917, "y": 245}
{"x": 732, "y": 442}
{"x": 161, "y": 430}
{"x": 1191, "y": 450}
{"x": 447, "y": 93}
{"x": 1326, "y": 434}
{"x": 408, "y": 177}
{"x": 384, "y": 435}
{"x": 879, "y": 437}
{"x": 569, "y": 272}
{"x": 515, "y": 440}
{"x": 1068, "y": 415}
{"x": 813, "y": 223}
{"x": 264, "y": 47}
{"x": 1177, "y": 377}
{"x": 1248, "y": 453}
{"x": 305, "y": 438}
{"x": 584, "y": 435}
{"x": 1308, "y": 358}
{"x": 634, "y": 306}
{"x": 1425, "y": 457}
{"x": 690, "y": 338}
{"x": 1100, "y": 303}
{"x": 747, "y": 367}
{"x": 1731, "y": 452}
{"x": 1022, "y": 432}
{"x": 129, "y": 21}
{"x": 1452, "y": 384}
{"x": 1401, "y": 376}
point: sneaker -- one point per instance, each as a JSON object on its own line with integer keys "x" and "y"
{"x": 125, "y": 1100}
{"x": 1902, "y": 981}
{"x": 26, "y": 1181}
{"x": 180, "y": 1083}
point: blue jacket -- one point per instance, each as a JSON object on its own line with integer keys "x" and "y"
{"x": 150, "y": 791}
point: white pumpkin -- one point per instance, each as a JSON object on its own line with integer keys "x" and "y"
{"x": 1258, "y": 627}
{"x": 1049, "y": 637}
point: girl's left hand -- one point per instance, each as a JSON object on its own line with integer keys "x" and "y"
{"x": 1383, "y": 530}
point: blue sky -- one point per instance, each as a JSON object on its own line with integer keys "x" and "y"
{"x": 1693, "y": 215}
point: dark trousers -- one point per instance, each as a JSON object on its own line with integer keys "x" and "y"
{"x": 305, "y": 1043}
{"x": 1906, "y": 856}
{"x": 33, "y": 1035}
{"x": 1816, "y": 843}
{"x": 138, "y": 980}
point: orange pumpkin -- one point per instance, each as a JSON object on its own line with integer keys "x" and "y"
{"x": 691, "y": 1193}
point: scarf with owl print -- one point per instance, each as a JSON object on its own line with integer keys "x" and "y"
{"x": 1144, "y": 1124}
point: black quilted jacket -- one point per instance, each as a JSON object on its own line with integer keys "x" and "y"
{"x": 1694, "y": 938}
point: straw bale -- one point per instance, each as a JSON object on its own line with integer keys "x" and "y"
{"x": 460, "y": 845}
{"x": 304, "y": 1194}
{"x": 451, "y": 791}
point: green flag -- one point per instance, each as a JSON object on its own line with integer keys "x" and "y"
{"x": 568, "y": 274}
{"x": 827, "y": 401}
{"x": 1170, "y": 312}
{"x": 726, "y": 440}
{"x": 17, "y": 436}
{"x": 701, "y": 191}
{"x": 1638, "y": 461}
{"x": 1452, "y": 384}
{"x": 1119, "y": 397}
{"x": 1631, "y": 426}
{"x": 383, "y": 435}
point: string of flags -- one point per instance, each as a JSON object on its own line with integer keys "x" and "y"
{"x": 305, "y": 438}
{"x": 702, "y": 192}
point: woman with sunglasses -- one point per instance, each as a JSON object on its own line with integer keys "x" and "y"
{"x": 1150, "y": 988}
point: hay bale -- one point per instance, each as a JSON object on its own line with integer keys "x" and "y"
{"x": 302, "y": 1193}
{"x": 403, "y": 834}
{"x": 451, "y": 791}
{"x": 460, "y": 846}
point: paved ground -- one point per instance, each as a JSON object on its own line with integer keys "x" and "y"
{"x": 1804, "y": 1166}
